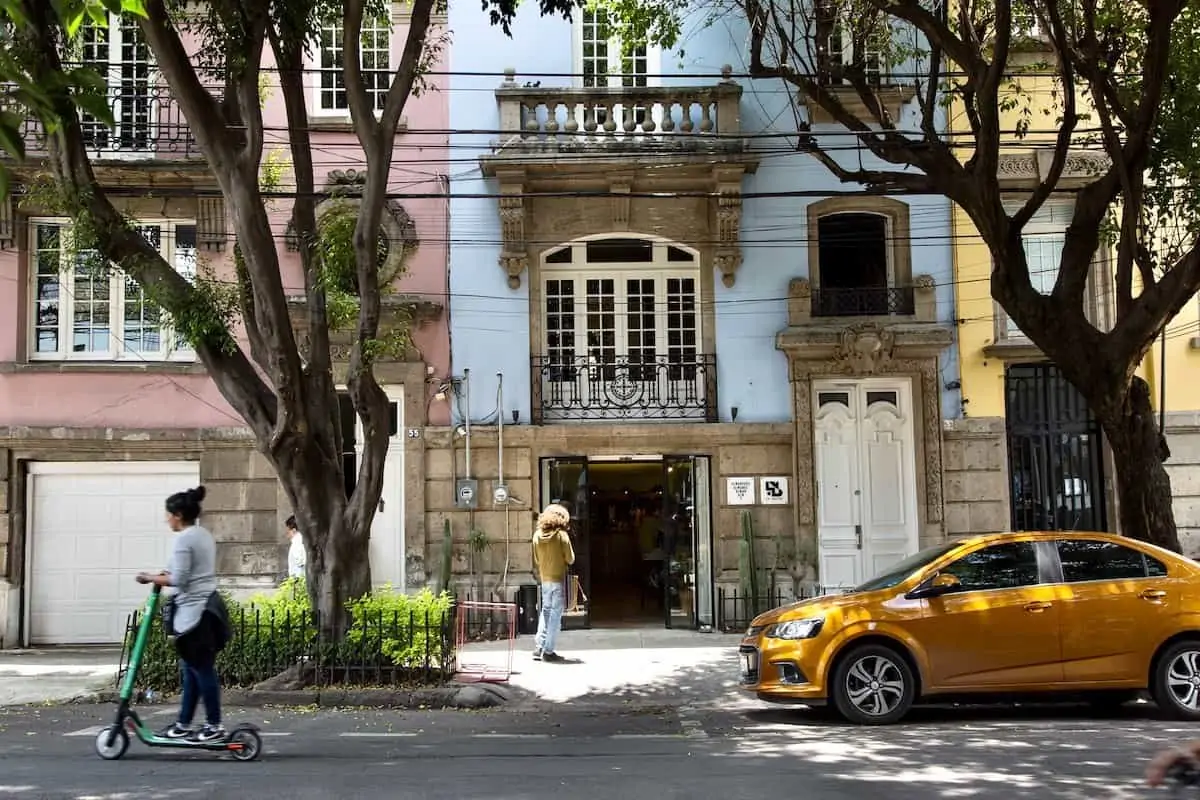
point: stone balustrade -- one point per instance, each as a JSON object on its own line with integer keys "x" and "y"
{"x": 701, "y": 117}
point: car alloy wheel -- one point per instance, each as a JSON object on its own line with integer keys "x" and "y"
{"x": 1177, "y": 684}
{"x": 874, "y": 685}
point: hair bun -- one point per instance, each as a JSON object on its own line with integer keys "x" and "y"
{"x": 197, "y": 494}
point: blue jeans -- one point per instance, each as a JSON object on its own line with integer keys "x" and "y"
{"x": 200, "y": 682}
{"x": 550, "y": 617}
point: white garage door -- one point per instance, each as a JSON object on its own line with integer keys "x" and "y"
{"x": 93, "y": 527}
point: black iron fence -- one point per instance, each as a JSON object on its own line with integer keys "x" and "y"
{"x": 379, "y": 649}
{"x": 864, "y": 302}
{"x": 629, "y": 387}
{"x": 736, "y": 609}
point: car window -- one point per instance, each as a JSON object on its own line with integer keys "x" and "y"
{"x": 1095, "y": 560}
{"x": 1008, "y": 565}
{"x": 901, "y": 570}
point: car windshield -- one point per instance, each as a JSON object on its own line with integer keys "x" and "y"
{"x": 900, "y": 571}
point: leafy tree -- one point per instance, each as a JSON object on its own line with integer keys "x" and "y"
{"x": 1130, "y": 70}
{"x": 285, "y": 393}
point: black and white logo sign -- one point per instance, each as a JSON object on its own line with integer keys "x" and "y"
{"x": 774, "y": 491}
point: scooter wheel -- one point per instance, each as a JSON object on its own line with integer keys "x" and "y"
{"x": 245, "y": 744}
{"x": 118, "y": 747}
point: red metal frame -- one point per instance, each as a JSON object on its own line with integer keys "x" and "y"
{"x": 488, "y": 673}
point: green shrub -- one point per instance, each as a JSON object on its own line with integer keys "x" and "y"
{"x": 274, "y": 631}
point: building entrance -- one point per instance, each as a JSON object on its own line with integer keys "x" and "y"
{"x": 642, "y": 533}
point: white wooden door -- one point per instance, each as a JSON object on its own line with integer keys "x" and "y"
{"x": 866, "y": 477}
{"x": 386, "y": 548}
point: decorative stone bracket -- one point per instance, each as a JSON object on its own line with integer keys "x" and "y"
{"x": 621, "y": 185}
{"x": 728, "y": 256}
{"x": 514, "y": 253}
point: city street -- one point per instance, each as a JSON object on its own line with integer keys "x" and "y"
{"x": 638, "y": 751}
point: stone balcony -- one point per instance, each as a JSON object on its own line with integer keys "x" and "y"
{"x": 604, "y": 126}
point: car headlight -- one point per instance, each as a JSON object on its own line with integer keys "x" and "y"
{"x": 796, "y": 629}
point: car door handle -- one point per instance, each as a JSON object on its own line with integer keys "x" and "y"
{"x": 1153, "y": 594}
{"x": 1037, "y": 606}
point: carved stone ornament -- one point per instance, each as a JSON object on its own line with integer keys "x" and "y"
{"x": 514, "y": 256}
{"x": 396, "y": 224}
{"x": 866, "y": 348}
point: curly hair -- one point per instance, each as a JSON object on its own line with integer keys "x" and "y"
{"x": 554, "y": 518}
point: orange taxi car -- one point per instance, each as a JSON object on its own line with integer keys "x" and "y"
{"x": 999, "y": 614}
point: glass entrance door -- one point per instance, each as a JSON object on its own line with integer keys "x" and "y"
{"x": 565, "y": 481}
{"x": 687, "y": 541}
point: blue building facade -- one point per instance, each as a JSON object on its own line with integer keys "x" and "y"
{"x": 667, "y": 287}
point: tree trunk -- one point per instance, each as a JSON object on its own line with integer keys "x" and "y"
{"x": 339, "y": 567}
{"x": 1143, "y": 485}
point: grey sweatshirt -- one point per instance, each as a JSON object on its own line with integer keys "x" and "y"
{"x": 193, "y": 568}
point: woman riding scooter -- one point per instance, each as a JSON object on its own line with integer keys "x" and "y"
{"x": 198, "y": 630}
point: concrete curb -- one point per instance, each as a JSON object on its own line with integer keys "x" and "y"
{"x": 466, "y": 696}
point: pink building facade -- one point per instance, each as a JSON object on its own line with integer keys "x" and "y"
{"x": 104, "y": 411}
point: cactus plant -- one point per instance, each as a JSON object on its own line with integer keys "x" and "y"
{"x": 447, "y": 558}
{"x": 747, "y": 564}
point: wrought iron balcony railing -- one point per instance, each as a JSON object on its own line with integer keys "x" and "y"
{"x": 632, "y": 388}
{"x": 149, "y": 125}
{"x": 867, "y": 302}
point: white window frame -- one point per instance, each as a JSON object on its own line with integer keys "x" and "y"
{"x": 653, "y": 56}
{"x": 314, "y": 66}
{"x": 113, "y": 75}
{"x": 1047, "y": 227}
{"x": 174, "y": 349}
{"x": 658, "y": 268}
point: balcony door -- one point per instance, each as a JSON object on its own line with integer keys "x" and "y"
{"x": 121, "y": 54}
{"x": 621, "y": 333}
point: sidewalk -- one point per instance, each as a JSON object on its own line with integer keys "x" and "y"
{"x": 623, "y": 667}
{"x": 55, "y": 675}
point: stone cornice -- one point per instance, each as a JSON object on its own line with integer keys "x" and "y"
{"x": 1025, "y": 170}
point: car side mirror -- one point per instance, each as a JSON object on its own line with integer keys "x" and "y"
{"x": 938, "y": 585}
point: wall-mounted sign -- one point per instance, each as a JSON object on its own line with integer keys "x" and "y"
{"x": 739, "y": 491}
{"x": 414, "y": 433}
{"x": 773, "y": 491}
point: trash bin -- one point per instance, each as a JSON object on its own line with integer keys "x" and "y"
{"x": 527, "y": 610}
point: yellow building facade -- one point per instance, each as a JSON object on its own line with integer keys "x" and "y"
{"x": 1016, "y": 407}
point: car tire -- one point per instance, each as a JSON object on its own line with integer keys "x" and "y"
{"x": 1176, "y": 680}
{"x": 873, "y": 685}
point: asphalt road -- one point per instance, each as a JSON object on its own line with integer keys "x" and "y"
{"x": 629, "y": 752}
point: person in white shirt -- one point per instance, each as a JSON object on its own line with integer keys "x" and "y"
{"x": 297, "y": 556}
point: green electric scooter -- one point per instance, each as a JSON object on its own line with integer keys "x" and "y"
{"x": 242, "y": 742}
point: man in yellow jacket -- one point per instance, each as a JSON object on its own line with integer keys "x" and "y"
{"x": 552, "y": 554}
